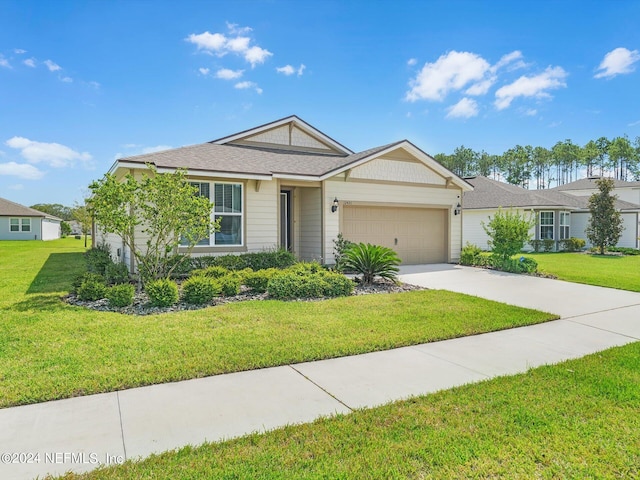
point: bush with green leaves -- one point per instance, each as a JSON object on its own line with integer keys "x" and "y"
{"x": 573, "y": 244}
{"x": 301, "y": 282}
{"x": 121, "y": 295}
{"x": 548, "y": 244}
{"x": 258, "y": 281}
{"x": 98, "y": 259}
{"x": 92, "y": 289}
{"x": 623, "y": 250}
{"x": 277, "y": 258}
{"x": 162, "y": 292}
{"x": 527, "y": 265}
{"x": 372, "y": 261}
{"x": 75, "y": 284}
{"x": 198, "y": 290}
{"x": 230, "y": 285}
{"x": 116, "y": 273}
{"x": 508, "y": 232}
{"x": 469, "y": 254}
{"x": 337, "y": 285}
{"x": 213, "y": 271}
{"x": 340, "y": 246}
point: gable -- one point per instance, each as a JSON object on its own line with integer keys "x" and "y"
{"x": 392, "y": 168}
{"x": 286, "y": 135}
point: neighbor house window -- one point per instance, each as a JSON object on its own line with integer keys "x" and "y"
{"x": 20, "y": 225}
{"x": 565, "y": 222}
{"x": 546, "y": 225}
{"x": 228, "y": 208}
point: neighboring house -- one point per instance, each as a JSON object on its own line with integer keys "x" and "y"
{"x": 287, "y": 184}
{"x": 558, "y": 216}
{"x": 625, "y": 191}
{"x": 18, "y": 222}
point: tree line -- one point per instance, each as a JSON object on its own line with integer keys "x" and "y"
{"x": 540, "y": 167}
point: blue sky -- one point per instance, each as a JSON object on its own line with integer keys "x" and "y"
{"x": 82, "y": 83}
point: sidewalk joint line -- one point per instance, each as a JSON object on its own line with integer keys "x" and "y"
{"x": 600, "y": 311}
{"x": 605, "y": 330}
{"x": 321, "y": 388}
{"x": 124, "y": 447}
{"x": 433, "y": 355}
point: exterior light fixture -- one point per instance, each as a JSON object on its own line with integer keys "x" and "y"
{"x": 458, "y": 209}
{"x": 334, "y": 206}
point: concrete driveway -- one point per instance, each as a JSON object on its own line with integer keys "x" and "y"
{"x": 79, "y": 434}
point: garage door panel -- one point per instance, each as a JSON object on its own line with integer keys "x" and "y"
{"x": 418, "y": 235}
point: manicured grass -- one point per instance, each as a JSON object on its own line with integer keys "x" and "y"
{"x": 51, "y": 350}
{"x": 578, "y": 419}
{"x": 621, "y": 272}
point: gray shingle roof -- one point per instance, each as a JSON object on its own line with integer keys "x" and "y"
{"x": 490, "y": 193}
{"x": 590, "y": 183}
{"x": 251, "y": 160}
{"x": 12, "y": 209}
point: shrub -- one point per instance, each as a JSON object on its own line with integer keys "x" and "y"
{"x": 337, "y": 285}
{"x": 258, "y": 281}
{"x": 230, "y": 262}
{"x": 91, "y": 290}
{"x": 116, "y": 273}
{"x": 340, "y": 246}
{"x": 508, "y": 232}
{"x": 305, "y": 268}
{"x": 573, "y": 244}
{"x": 198, "y": 290}
{"x": 230, "y": 285}
{"x": 469, "y": 254}
{"x": 528, "y": 265}
{"x": 289, "y": 285}
{"x": 279, "y": 258}
{"x": 176, "y": 266}
{"x": 202, "y": 262}
{"x": 162, "y": 293}
{"x": 623, "y": 250}
{"x": 98, "y": 259}
{"x": 548, "y": 244}
{"x": 371, "y": 261}
{"x": 214, "y": 271}
{"x": 536, "y": 244}
{"x": 75, "y": 285}
{"x": 121, "y": 295}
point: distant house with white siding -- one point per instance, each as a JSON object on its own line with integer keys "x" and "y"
{"x": 18, "y": 222}
{"x": 287, "y": 184}
{"x": 558, "y": 215}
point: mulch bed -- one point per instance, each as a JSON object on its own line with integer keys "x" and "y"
{"x": 141, "y": 304}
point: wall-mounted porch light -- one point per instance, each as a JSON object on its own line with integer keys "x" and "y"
{"x": 334, "y": 206}
{"x": 458, "y": 209}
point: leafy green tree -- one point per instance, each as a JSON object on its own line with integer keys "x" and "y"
{"x": 162, "y": 208}
{"x": 81, "y": 214}
{"x": 55, "y": 209}
{"x": 508, "y": 232}
{"x": 604, "y": 228}
{"x": 65, "y": 228}
{"x": 621, "y": 154}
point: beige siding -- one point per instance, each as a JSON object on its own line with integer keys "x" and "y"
{"x": 301, "y": 139}
{"x": 285, "y": 136}
{"x": 382, "y": 194}
{"x": 473, "y": 232}
{"x": 397, "y": 171}
{"x": 261, "y": 216}
{"x": 310, "y": 231}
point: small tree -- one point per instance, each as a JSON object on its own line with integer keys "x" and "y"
{"x": 65, "y": 228}
{"x": 82, "y": 215}
{"x": 604, "y": 228}
{"x": 508, "y": 232}
{"x": 163, "y": 208}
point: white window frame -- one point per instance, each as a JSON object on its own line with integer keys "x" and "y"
{"x": 565, "y": 217}
{"x": 552, "y": 225}
{"x": 228, "y": 214}
{"x": 20, "y": 224}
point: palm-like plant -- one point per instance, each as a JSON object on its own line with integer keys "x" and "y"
{"x": 371, "y": 261}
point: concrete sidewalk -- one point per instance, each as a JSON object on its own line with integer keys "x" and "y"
{"x": 79, "y": 434}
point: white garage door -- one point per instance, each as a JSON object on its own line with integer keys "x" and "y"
{"x": 418, "y": 235}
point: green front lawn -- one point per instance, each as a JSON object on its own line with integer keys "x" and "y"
{"x": 577, "y": 419}
{"x": 621, "y": 272}
{"x": 51, "y": 350}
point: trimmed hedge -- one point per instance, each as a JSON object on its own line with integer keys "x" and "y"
{"x": 162, "y": 293}
{"x": 121, "y": 295}
{"x": 292, "y": 284}
{"x": 199, "y": 290}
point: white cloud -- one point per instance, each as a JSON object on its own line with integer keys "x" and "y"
{"x": 30, "y": 62}
{"x": 633, "y": 124}
{"x": 239, "y": 44}
{"x": 412, "y": 61}
{"x": 227, "y": 74}
{"x": 290, "y": 69}
{"x": 4, "y": 62}
{"x": 20, "y": 170}
{"x": 247, "y": 84}
{"x": 482, "y": 87}
{"x": 465, "y": 108}
{"x": 616, "y": 62}
{"x": 531, "y": 112}
{"x": 19, "y": 51}
{"x": 52, "y": 66}
{"x": 66, "y": 79}
{"x": 508, "y": 60}
{"x": 204, "y": 71}
{"x": 452, "y": 71}
{"x": 17, "y": 186}
{"x": 93, "y": 84}
{"x": 531, "y": 86}
{"x": 52, "y": 154}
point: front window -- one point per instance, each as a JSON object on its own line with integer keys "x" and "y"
{"x": 565, "y": 222}
{"x": 203, "y": 191}
{"x": 228, "y": 208}
{"x": 546, "y": 225}
{"x": 19, "y": 224}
